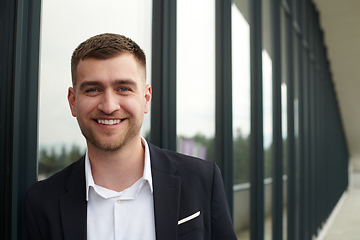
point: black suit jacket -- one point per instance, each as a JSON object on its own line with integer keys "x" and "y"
{"x": 56, "y": 208}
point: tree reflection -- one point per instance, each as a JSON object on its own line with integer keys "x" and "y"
{"x": 51, "y": 161}
{"x": 241, "y": 157}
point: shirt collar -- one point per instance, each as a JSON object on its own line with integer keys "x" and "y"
{"x": 147, "y": 176}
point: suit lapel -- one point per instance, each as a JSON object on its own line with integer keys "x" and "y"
{"x": 166, "y": 194}
{"x": 73, "y": 204}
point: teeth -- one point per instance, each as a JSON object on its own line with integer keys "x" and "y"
{"x": 108, "y": 122}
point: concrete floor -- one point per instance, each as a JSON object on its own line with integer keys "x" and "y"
{"x": 344, "y": 222}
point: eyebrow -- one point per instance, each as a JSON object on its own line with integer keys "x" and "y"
{"x": 99, "y": 83}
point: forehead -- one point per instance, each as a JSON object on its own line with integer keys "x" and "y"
{"x": 123, "y": 66}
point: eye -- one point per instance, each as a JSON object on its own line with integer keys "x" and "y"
{"x": 124, "y": 89}
{"x": 92, "y": 91}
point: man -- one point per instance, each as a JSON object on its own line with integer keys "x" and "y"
{"x": 124, "y": 187}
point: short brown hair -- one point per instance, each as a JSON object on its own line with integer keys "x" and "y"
{"x": 105, "y": 46}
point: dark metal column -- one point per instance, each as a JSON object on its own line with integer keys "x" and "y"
{"x": 7, "y": 33}
{"x": 291, "y": 157}
{"x": 223, "y": 136}
{"x": 315, "y": 116}
{"x": 25, "y": 105}
{"x": 300, "y": 138}
{"x": 277, "y": 149}
{"x": 256, "y": 136}
{"x": 310, "y": 81}
{"x": 163, "y": 109}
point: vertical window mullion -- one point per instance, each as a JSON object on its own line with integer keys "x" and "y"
{"x": 7, "y": 31}
{"x": 26, "y": 68}
{"x": 256, "y": 135}
{"x": 223, "y": 128}
{"x": 277, "y": 152}
{"x": 291, "y": 167}
{"x": 163, "y": 109}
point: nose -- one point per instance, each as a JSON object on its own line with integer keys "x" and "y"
{"x": 109, "y": 103}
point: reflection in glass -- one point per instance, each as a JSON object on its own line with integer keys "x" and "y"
{"x": 267, "y": 114}
{"x": 241, "y": 116}
{"x": 284, "y": 76}
{"x": 196, "y": 78}
{"x": 267, "y": 111}
{"x": 241, "y": 95}
{"x": 65, "y": 24}
{"x": 268, "y": 136}
{"x": 284, "y": 121}
{"x": 284, "y": 136}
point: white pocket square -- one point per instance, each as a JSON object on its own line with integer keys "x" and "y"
{"x": 189, "y": 218}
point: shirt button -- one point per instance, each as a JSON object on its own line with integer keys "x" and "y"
{"x": 120, "y": 201}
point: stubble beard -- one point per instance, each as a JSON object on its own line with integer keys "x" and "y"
{"x": 111, "y": 145}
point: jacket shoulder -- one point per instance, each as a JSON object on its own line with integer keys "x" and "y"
{"x": 57, "y": 183}
{"x": 190, "y": 166}
{"x": 185, "y": 161}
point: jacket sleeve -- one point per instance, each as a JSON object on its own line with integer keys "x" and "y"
{"x": 221, "y": 224}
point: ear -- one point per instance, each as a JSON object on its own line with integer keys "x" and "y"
{"x": 71, "y": 99}
{"x": 147, "y": 98}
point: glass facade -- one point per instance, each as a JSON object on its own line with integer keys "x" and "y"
{"x": 313, "y": 143}
{"x": 60, "y": 139}
{"x": 195, "y": 80}
{"x": 284, "y": 110}
{"x": 241, "y": 94}
{"x": 267, "y": 84}
{"x": 241, "y": 115}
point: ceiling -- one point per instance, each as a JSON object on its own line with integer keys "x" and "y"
{"x": 340, "y": 21}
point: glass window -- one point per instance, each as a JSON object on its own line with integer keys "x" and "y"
{"x": 65, "y": 24}
{"x": 267, "y": 114}
{"x": 284, "y": 75}
{"x": 241, "y": 116}
{"x": 196, "y": 78}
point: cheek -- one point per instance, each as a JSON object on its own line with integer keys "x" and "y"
{"x": 133, "y": 105}
{"x": 84, "y": 106}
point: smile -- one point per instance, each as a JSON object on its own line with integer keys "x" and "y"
{"x": 108, "y": 122}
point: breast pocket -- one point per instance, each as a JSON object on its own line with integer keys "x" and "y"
{"x": 191, "y": 227}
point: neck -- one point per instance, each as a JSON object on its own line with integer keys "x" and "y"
{"x": 120, "y": 169}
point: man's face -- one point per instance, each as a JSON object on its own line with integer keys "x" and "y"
{"x": 109, "y": 100}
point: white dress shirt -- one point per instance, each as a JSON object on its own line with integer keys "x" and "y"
{"x": 121, "y": 215}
